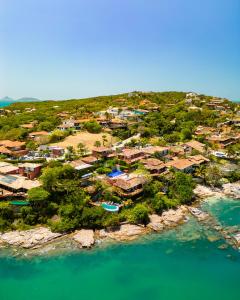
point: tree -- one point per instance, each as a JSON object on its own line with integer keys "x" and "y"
{"x": 81, "y": 149}
{"x": 52, "y": 177}
{"x": 70, "y": 154}
{"x": 186, "y": 134}
{"x": 213, "y": 175}
{"x": 182, "y": 188}
{"x": 138, "y": 215}
{"x": 93, "y": 127}
{"x": 97, "y": 144}
{"x": 104, "y": 139}
{"x": 161, "y": 202}
{"x": 31, "y": 145}
{"x": 37, "y": 196}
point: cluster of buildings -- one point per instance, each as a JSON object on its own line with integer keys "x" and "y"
{"x": 156, "y": 160}
{"x": 19, "y": 178}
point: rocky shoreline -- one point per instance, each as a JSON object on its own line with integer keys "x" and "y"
{"x": 86, "y": 238}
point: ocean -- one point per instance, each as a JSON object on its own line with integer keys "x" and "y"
{"x": 5, "y": 103}
{"x": 178, "y": 264}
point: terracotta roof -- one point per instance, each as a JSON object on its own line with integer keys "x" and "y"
{"x": 18, "y": 182}
{"x": 9, "y": 144}
{"x": 153, "y": 164}
{"x": 218, "y": 138}
{"x": 128, "y": 183}
{"x": 37, "y": 133}
{"x": 28, "y": 126}
{"x": 79, "y": 165}
{"x": 180, "y": 164}
{"x": 89, "y": 159}
{"x": 154, "y": 149}
{"x": 196, "y": 145}
{"x": 30, "y": 165}
{"x": 198, "y": 159}
{"x": 101, "y": 149}
{"x": 130, "y": 152}
{"x": 7, "y": 168}
{"x": 4, "y": 150}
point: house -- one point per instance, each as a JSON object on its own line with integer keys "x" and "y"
{"x": 55, "y": 151}
{"x": 151, "y": 150}
{"x": 70, "y": 124}
{"x": 182, "y": 165}
{"x": 28, "y": 125}
{"x": 90, "y": 160}
{"x": 221, "y": 141}
{"x": 37, "y": 135}
{"x": 17, "y": 183}
{"x": 129, "y": 185}
{"x": 30, "y": 170}
{"x": 7, "y": 168}
{"x": 117, "y": 123}
{"x": 13, "y": 148}
{"x": 154, "y": 166}
{"x": 198, "y": 159}
{"x": 203, "y": 130}
{"x": 194, "y": 145}
{"x": 187, "y": 165}
{"x": 80, "y": 165}
{"x": 131, "y": 155}
{"x": 103, "y": 152}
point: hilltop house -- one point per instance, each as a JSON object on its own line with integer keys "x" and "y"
{"x": 37, "y": 135}
{"x": 154, "y": 166}
{"x": 129, "y": 185}
{"x": 17, "y": 183}
{"x": 30, "y": 170}
{"x": 187, "y": 165}
{"x": 221, "y": 141}
{"x": 13, "y": 148}
{"x": 103, "y": 152}
{"x": 158, "y": 150}
{"x": 194, "y": 145}
{"x": 131, "y": 155}
{"x": 7, "y": 168}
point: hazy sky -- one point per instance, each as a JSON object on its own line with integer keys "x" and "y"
{"x": 56, "y": 49}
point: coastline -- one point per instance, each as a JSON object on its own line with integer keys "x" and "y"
{"x": 40, "y": 240}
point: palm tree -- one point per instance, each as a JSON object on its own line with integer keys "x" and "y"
{"x": 81, "y": 149}
{"x": 104, "y": 139}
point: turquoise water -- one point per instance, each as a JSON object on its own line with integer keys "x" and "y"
{"x": 179, "y": 264}
{"x": 110, "y": 207}
{"x": 5, "y": 103}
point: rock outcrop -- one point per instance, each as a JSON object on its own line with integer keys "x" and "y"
{"x": 202, "y": 191}
{"x": 125, "y": 232}
{"x": 168, "y": 219}
{"x": 32, "y": 238}
{"x": 84, "y": 238}
{"x": 232, "y": 189}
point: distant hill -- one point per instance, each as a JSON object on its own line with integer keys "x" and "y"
{"x": 24, "y": 99}
{"x": 27, "y": 99}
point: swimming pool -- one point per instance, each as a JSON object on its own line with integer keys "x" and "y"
{"x": 115, "y": 173}
{"x": 109, "y": 207}
{"x": 20, "y": 203}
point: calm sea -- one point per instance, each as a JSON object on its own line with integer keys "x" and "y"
{"x": 181, "y": 264}
{"x": 5, "y": 103}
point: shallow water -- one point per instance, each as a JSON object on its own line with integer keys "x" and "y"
{"x": 178, "y": 264}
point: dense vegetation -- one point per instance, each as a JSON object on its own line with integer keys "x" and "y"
{"x": 64, "y": 204}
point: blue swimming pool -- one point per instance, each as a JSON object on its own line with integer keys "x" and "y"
{"x": 115, "y": 173}
{"x": 109, "y": 207}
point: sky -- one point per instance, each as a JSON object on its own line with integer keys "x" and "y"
{"x": 62, "y": 49}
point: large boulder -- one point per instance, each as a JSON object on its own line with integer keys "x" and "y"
{"x": 84, "y": 238}
{"x": 156, "y": 222}
{"x": 125, "y": 232}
